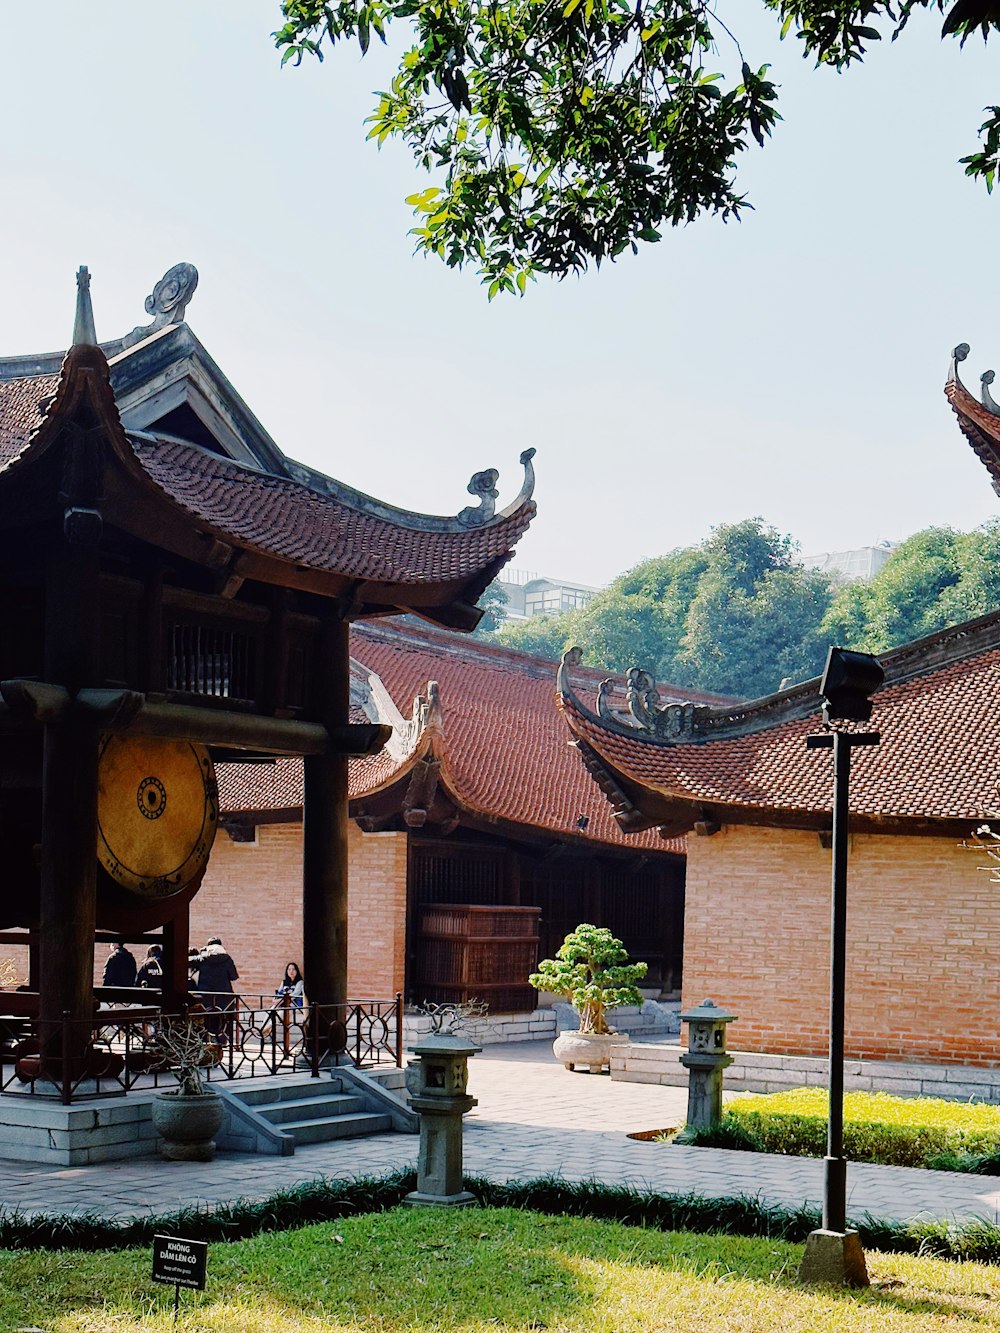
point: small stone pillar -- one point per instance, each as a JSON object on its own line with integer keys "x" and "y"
{"x": 705, "y": 1060}
{"x": 438, "y": 1080}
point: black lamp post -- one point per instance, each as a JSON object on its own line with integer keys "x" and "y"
{"x": 849, "y": 679}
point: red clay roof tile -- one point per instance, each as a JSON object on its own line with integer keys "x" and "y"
{"x": 939, "y": 757}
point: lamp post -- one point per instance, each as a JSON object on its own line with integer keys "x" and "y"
{"x": 834, "y": 1254}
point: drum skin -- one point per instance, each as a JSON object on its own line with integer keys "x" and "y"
{"x": 120, "y": 906}
{"x": 157, "y": 813}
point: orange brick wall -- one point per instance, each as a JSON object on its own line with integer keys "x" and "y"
{"x": 923, "y": 945}
{"x": 252, "y": 899}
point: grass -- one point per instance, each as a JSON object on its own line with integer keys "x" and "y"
{"x": 479, "y": 1270}
{"x": 895, "y": 1131}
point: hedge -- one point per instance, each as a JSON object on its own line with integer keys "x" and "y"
{"x": 325, "y": 1200}
{"x": 893, "y": 1131}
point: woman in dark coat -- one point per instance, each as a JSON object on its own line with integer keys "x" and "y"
{"x": 216, "y": 974}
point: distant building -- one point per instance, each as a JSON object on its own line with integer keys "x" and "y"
{"x": 530, "y": 594}
{"x": 862, "y": 563}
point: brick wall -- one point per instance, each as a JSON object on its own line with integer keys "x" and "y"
{"x": 252, "y": 899}
{"x": 923, "y": 944}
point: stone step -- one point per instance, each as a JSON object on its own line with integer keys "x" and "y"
{"x": 309, "y": 1108}
{"x": 288, "y": 1089}
{"x": 337, "y": 1127}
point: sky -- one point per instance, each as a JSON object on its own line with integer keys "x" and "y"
{"x": 789, "y": 366}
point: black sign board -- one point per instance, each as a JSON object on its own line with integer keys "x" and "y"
{"x": 180, "y": 1262}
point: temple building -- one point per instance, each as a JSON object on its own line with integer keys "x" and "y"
{"x": 175, "y": 592}
{"x": 477, "y": 842}
{"x": 923, "y": 951}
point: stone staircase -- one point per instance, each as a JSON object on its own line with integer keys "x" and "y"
{"x": 275, "y": 1115}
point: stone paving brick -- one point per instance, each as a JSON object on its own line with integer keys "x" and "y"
{"x": 533, "y": 1119}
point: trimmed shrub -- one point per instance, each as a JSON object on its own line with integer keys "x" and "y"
{"x": 893, "y": 1131}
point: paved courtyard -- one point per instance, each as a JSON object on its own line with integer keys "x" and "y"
{"x": 533, "y": 1119}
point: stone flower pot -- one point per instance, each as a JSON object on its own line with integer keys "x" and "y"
{"x": 187, "y": 1124}
{"x": 592, "y": 1049}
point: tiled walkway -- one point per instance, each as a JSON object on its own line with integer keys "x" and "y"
{"x": 533, "y": 1119}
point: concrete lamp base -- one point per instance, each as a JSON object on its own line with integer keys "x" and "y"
{"x": 835, "y": 1257}
{"x": 417, "y": 1199}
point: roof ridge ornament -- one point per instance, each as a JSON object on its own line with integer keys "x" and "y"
{"x": 958, "y": 354}
{"x": 84, "y": 333}
{"x": 676, "y": 721}
{"x": 985, "y": 380}
{"x": 167, "y": 302}
{"x": 484, "y": 485}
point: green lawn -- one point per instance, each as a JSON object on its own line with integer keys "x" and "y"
{"x": 483, "y": 1269}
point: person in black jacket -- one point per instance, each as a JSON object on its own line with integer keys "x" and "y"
{"x": 151, "y": 972}
{"x": 119, "y": 970}
{"x": 216, "y": 974}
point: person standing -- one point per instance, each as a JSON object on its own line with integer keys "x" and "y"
{"x": 119, "y": 969}
{"x": 151, "y": 973}
{"x": 216, "y": 974}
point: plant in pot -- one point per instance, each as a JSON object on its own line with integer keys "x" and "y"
{"x": 591, "y": 969}
{"x": 187, "y": 1117}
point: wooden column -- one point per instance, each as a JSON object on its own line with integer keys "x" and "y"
{"x": 69, "y": 791}
{"x": 68, "y": 873}
{"x": 176, "y": 943}
{"x": 325, "y": 820}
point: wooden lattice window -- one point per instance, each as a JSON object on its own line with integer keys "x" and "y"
{"x": 210, "y": 660}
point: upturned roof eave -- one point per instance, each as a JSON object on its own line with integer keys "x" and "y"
{"x": 85, "y": 374}
{"x": 639, "y": 805}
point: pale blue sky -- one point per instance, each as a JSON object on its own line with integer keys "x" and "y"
{"x": 704, "y": 381}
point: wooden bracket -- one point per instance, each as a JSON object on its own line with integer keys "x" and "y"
{"x": 36, "y": 699}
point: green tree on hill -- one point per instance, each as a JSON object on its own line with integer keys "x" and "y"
{"x": 734, "y": 614}
{"x": 935, "y": 578}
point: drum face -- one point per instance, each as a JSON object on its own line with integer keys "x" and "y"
{"x": 157, "y": 813}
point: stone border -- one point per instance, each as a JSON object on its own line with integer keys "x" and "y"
{"x": 753, "y": 1072}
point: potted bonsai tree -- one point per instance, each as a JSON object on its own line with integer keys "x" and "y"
{"x": 188, "y": 1116}
{"x": 591, "y": 969}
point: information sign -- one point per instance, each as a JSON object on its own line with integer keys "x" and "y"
{"x": 180, "y": 1262}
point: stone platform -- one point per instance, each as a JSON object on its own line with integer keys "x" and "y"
{"x": 752, "y": 1072}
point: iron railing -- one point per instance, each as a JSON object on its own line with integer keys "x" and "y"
{"x": 245, "y": 1036}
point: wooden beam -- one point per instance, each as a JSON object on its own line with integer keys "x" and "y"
{"x": 237, "y": 731}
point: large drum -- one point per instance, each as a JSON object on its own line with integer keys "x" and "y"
{"x": 157, "y": 814}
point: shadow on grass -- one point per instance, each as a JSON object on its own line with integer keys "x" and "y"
{"x": 408, "y": 1270}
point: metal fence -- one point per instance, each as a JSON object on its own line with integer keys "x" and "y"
{"x": 244, "y": 1036}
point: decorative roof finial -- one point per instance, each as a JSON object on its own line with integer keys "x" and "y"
{"x": 84, "y": 333}
{"x": 169, "y": 299}
{"x": 167, "y": 302}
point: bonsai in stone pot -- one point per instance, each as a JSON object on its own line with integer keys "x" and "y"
{"x": 591, "y": 969}
{"x": 187, "y": 1117}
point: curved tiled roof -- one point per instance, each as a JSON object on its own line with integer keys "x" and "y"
{"x": 288, "y": 519}
{"x": 502, "y": 747}
{"x": 503, "y": 751}
{"x": 939, "y": 757}
{"x": 20, "y": 413}
{"x": 313, "y": 522}
{"x": 246, "y": 787}
{"x": 979, "y": 426}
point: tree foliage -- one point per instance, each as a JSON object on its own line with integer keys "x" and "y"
{"x": 591, "y": 969}
{"x": 734, "y": 614}
{"x": 493, "y": 605}
{"x": 935, "y": 578}
{"x": 564, "y": 132}
{"x": 737, "y": 615}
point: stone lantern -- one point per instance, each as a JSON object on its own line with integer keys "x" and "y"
{"x": 705, "y": 1059}
{"x": 438, "y": 1081}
